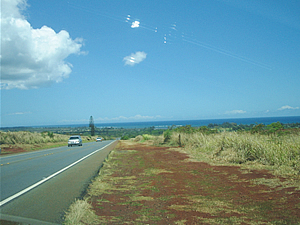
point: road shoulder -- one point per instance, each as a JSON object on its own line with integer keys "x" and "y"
{"x": 147, "y": 184}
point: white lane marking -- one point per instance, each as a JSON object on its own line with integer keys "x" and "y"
{"x": 48, "y": 178}
{"x": 28, "y": 153}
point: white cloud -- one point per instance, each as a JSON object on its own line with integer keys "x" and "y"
{"x": 287, "y": 107}
{"x": 140, "y": 117}
{"x": 135, "y": 58}
{"x": 135, "y": 24}
{"x": 31, "y": 58}
{"x": 235, "y": 112}
{"x": 131, "y": 118}
{"x": 18, "y": 113}
{"x": 119, "y": 118}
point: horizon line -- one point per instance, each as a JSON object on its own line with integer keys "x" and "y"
{"x": 147, "y": 121}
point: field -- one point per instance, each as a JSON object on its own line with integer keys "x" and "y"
{"x": 107, "y": 133}
{"x": 196, "y": 178}
{"x": 280, "y": 154}
{"x": 25, "y": 141}
{"x": 208, "y": 175}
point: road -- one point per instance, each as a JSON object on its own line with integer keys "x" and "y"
{"x": 38, "y": 187}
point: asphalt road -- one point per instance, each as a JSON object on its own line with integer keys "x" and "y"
{"x": 38, "y": 187}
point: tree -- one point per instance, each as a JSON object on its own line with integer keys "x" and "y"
{"x": 274, "y": 127}
{"x": 92, "y": 126}
{"x": 258, "y": 128}
{"x": 167, "y": 135}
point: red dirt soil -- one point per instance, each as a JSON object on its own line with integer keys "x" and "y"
{"x": 186, "y": 192}
{"x": 11, "y": 150}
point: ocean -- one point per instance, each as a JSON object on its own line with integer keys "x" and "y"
{"x": 198, "y": 123}
{"x": 177, "y": 123}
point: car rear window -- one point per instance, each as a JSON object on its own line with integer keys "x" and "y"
{"x": 74, "y": 138}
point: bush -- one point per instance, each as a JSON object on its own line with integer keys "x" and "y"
{"x": 125, "y": 137}
{"x": 147, "y": 137}
{"x": 50, "y": 134}
{"x": 167, "y": 135}
{"x": 158, "y": 140}
{"x": 138, "y": 138}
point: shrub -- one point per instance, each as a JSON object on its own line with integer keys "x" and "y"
{"x": 167, "y": 135}
{"x": 50, "y": 134}
{"x": 147, "y": 137}
{"x": 158, "y": 140}
{"x": 125, "y": 137}
{"x": 138, "y": 138}
{"x": 80, "y": 212}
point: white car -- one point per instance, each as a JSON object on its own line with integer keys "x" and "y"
{"x": 75, "y": 140}
{"x": 98, "y": 139}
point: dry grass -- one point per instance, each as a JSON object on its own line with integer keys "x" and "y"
{"x": 127, "y": 190}
{"x": 206, "y": 205}
{"x": 154, "y": 171}
{"x": 25, "y": 137}
{"x": 31, "y": 141}
{"x": 279, "y": 153}
{"x": 80, "y": 212}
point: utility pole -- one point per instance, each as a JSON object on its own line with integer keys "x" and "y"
{"x": 92, "y": 126}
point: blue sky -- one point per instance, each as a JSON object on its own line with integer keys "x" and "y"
{"x": 123, "y": 61}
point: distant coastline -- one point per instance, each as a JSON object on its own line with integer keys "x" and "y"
{"x": 193, "y": 123}
{"x": 198, "y": 123}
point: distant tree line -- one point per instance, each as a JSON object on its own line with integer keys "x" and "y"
{"x": 109, "y": 133}
{"x": 273, "y": 128}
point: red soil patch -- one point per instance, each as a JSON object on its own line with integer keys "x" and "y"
{"x": 183, "y": 192}
{"x": 11, "y": 150}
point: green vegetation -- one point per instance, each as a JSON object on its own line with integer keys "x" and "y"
{"x": 245, "y": 127}
{"x": 14, "y": 142}
{"x": 273, "y": 128}
{"x": 273, "y": 146}
{"x": 167, "y": 136}
{"x": 144, "y": 184}
{"x": 26, "y": 137}
{"x": 107, "y": 133}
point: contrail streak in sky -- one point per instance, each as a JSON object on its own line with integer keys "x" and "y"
{"x": 224, "y": 52}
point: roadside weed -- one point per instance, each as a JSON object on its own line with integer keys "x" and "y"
{"x": 80, "y": 212}
{"x": 282, "y": 153}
